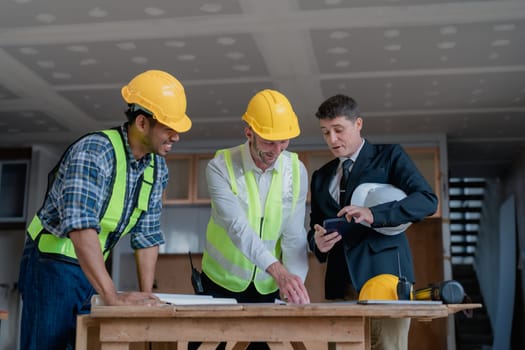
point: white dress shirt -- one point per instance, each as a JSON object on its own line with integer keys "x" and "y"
{"x": 227, "y": 212}
{"x": 334, "y": 183}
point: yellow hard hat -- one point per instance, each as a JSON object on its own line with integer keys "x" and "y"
{"x": 162, "y": 95}
{"x": 271, "y": 116}
{"x": 380, "y": 287}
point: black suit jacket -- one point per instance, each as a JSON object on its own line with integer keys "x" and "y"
{"x": 364, "y": 253}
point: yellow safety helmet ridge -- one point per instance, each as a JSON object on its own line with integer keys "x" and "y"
{"x": 271, "y": 116}
{"x": 380, "y": 287}
{"x": 162, "y": 95}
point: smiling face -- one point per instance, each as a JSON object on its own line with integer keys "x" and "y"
{"x": 160, "y": 138}
{"x": 264, "y": 152}
{"x": 146, "y": 135}
{"x": 342, "y": 135}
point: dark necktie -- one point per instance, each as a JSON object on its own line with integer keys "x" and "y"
{"x": 344, "y": 179}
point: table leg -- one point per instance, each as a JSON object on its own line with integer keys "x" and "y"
{"x": 208, "y": 345}
{"x": 367, "y": 333}
{"x": 240, "y": 345}
{"x": 349, "y": 346}
{"x": 311, "y": 345}
{"x": 87, "y": 333}
{"x": 296, "y": 345}
{"x": 280, "y": 345}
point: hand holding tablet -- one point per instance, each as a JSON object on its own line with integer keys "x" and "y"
{"x": 335, "y": 224}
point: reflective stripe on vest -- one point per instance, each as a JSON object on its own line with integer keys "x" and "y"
{"x": 49, "y": 243}
{"x": 222, "y": 262}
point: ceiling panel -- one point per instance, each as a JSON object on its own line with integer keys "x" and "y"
{"x": 341, "y": 4}
{"x": 420, "y": 69}
{"x": 6, "y": 94}
{"x": 26, "y": 13}
{"x": 447, "y": 91}
{"x": 456, "y": 125}
{"x": 419, "y": 47}
{"x": 205, "y": 102}
{"x": 21, "y": 122}
{"x": 210, "y": 57}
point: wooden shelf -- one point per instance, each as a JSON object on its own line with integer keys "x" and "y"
{"x": 187, "y": 181}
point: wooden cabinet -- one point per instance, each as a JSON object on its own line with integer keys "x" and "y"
{"x": 312, "y": 161}
{"x": 187, "y": 182}
{"x": 427, "y": 161}
{"x": 180, "y": 169}
{"x": 201, "y": 186}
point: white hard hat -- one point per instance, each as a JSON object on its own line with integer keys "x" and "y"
{"x": 371, "y": 194}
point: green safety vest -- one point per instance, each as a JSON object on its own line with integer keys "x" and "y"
{"x": 51, "y": 244}
{"x": 222, "y": 262}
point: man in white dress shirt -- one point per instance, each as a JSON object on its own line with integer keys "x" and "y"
{"x": 256, "y": 248}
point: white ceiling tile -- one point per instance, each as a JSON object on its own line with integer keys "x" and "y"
{"x": 416, "y": 67}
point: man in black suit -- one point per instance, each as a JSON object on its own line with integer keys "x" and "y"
{"x": 359, "y": 252}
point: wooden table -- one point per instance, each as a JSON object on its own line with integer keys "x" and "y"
{"x": 282, "y": 326}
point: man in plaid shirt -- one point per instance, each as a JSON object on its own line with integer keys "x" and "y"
{"x": 107, "y": 184}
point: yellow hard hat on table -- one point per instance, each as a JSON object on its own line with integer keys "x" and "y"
{"x": 380, "y": 287}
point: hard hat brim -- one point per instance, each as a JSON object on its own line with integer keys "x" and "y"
{"x": 273, "y": 136}
{"x": 180, "y": 126}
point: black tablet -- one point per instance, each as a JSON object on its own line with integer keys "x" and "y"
{"x": 335, "y": 224}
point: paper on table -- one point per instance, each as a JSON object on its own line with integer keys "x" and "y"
{"x": 192, "y": 299}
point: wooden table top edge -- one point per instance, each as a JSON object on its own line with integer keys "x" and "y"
{"x": 277, "y": 310}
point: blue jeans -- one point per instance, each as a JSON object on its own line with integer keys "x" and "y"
{"x": 53, "y": 292}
